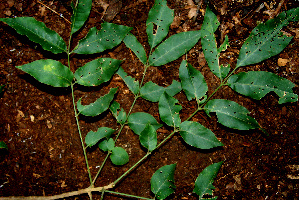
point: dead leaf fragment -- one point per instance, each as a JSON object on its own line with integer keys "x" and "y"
{"x": 282, "y": 62}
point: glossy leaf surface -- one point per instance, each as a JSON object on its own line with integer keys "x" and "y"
{"x": 138, "y": 121}
{"x": 97, "y": 41}
{"x": 174, "y": 47}
{"x": 94, "y": 137}
{"x": 119, "y": 156}
{"x": 256, "y": 84}
{"x": 209, "y": 44}
{"x": 80, "y": 14}
{"x": 119, "y": 113}
{"x": 132, "y": 84}
{"x": 267, "y": 40}
{"x": 204, "y": 181}
{"x": 231, "y": 114}
{"x": 159, "y": 19}
{"x": 152, "y": 92}
{"x": 97, "y": 71}
{"x": 50, "y": 72}
{"x": 148, "y": 137}
{"x": 37, "y": 32}
{"x": 198, "y": 136}
{"x": 169, "y": 110}
{"x": 162, "y": 181}
{"x": 107, "y": 145}
{"x": 99, "y": 106}
{"x": 131, "y": 42}
{"x": 193, "y": 82}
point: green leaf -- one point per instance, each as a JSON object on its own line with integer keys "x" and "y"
{"x": 172, "y": 48}
{"x": 99, "y": 106}
{"x": 138, "y": 121}
{"x": 119, "y": 113}
{"x": 132, "y": 84}
{"x": 162, "y": 181}
{"x": 107, "y": 145}
{"x": 94, "y": 137}
{"x": 3, "y": 145}
{"x": 204, "y": 181}
{"x": 80, "y": 14}
{"x": 119, "y": 156}
{"x": 193, "y": 82}
{"x": 131, "y": 42}
{"x": 174, "y": 88}
{"x": 198, "y": 136}
{"x": 256, "y": 84}
{"x": 148, "y": 137}
{"x": 159, "y": 19}
{"x": 97, "y": 71}
{"x": 267, "y": 40}
{"x": 169, "y": 111}
{"x": 37, "y": 32}
{"x": 151, "y": 91}
{"x": 209, "y": 44}
{"x": 50, "y": 72}
{"x": 1, "y": 88}
{"x": 231, "y": 114}
{"x": 97, "y": 41}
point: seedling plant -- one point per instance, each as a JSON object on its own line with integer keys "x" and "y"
{"x": 265, "y": 41}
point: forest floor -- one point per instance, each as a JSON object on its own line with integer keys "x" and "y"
{"x": 45, "y": 157}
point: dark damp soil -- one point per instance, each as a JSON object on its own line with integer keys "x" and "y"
{"x": 37, "y": 122}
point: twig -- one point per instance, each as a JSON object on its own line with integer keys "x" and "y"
{"x": 63, "y": 195}
{"x": 60, "y": 15}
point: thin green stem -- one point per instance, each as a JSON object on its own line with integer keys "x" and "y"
{"x": 129, "y": 170}
{"x": 101, "y": 167}
{"x": 127, "y": 195}
{"x": 80, "y": 134}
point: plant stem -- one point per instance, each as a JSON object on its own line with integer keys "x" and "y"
{"x": 129, "y": 170}
{"x": 102, "y": 165}
{"x": 80, "y": 134}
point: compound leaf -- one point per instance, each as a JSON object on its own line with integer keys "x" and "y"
{"x": 50, "y": 72}
{"x": 80, "y": 14}
{"x": 266, "y": 39}
{"x": 97, "y": 71}
{"x": 97, "y": 41}
{"x": 162, "y": 181}
{"x": 138, "y": 121}
{"x": 94, "y": 137}
{"x": 193, "y": 82}
{"x": 169, "y": 111}
{"x": 172, "y": 48}
{"x": 119, "y": 113}
{"x": 209, "y": 44}
{"x": 119, "y": 156}
{"x": 256, "y": 84}
{"x": 99, "y": 106}
{"x": 132, "y": 84}
{"x": 231, "y": 114}
{"x": 198, "y": 136}
{"x": 37, "y": 32}
{"x": 204, "y": 181}
{"x": 148, "y": 137}
{"x": 107, "y": 145}
{"x": 131, "y": 42}
{"x": 159, "y": 19}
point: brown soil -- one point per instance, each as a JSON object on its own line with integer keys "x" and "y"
{"x": 38, "y": 125}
